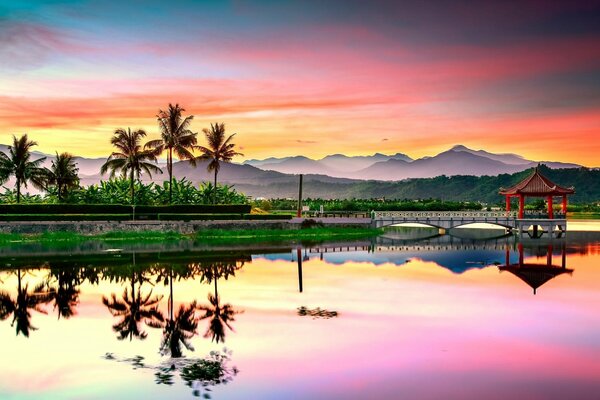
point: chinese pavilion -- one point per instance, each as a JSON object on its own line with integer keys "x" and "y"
{"x": 537, "y": 185}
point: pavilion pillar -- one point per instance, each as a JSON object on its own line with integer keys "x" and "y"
{"x": 564, "y": 204}
{"x": 550, "y": 209}
{"x": 521, "y": 206}
{"x": 507, "y": 204}
{"x": 549, "y": 255}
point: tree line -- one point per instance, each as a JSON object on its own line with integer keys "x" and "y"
{"x": 129, "y": 160}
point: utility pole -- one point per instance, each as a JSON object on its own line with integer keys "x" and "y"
{"x": 299, "y": 213}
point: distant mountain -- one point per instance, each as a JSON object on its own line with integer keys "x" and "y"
{"x": 459, "y": 160}
{"x": 506, "y": 158}
{"x": 338, "y": 165}
{"x": 448, "y": 163}
{"x": 341, "y": 162}
{"x": 298, "y": 165}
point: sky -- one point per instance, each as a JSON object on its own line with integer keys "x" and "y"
{"x": 311, "y": 78}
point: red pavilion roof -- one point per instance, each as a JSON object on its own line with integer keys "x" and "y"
{"x": 537, "y": 184}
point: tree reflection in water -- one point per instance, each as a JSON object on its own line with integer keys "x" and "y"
{"x": 66, "y": 292}
{"x": 133, "y": 309}
{"x": 177, "y": 330}
{"x": 25, "y": 301}
{"x": 220, "y": 316}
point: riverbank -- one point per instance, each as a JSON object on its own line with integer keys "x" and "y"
{"x": 204, "y": 236}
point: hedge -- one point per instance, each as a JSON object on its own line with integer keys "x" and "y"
{"x": 139, "y": 217}
{"x": 123, "y": 209}
{"x": 65, "y": 217}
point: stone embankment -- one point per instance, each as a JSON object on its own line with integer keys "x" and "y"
{"x": 182, "y": 227}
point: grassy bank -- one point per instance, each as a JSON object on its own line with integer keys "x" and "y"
{"x": 208, "y": 236}
{"x": 262, "y": 235}
{"x": 583, "y": 215}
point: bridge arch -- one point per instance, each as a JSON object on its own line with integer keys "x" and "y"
{"x": 408, "y": 224}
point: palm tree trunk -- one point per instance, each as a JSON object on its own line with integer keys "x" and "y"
{"x": 18, "y": 185}
{"x": 215, "y": 189}
{"x": 170, "y": 168}
{"x": 132, "y": 187}
{"x": 59, "y": 193}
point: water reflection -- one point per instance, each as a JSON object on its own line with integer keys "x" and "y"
{"x": 23, "y": 303}
{"x": 536, "y": 274}
{"x": 175, "y": 305}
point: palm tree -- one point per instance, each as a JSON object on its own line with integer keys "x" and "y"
{"x": 24, "y": 302}
{"x": 220, "y": 149}
{"x": 63, "y": 174}
{"x": 129, "y": 157}
{"x": 175, "y": 137}
{"x": 17, "y": 162}
{"x": 133, "y": 309}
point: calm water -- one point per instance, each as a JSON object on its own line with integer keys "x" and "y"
{"x": 404, "y": 316}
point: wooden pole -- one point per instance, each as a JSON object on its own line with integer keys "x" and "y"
{"x": 299, "y": 212}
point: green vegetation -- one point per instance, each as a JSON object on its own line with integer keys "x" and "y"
{"x": 368, "y": 205}
{"x": 117, "y": 191}
{"x": 209, "y": 235}
{"x": 262, "y": 235}
{"x": 482, "y": 189}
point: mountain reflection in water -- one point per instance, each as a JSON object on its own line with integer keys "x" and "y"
{"x": 361, "y": 319}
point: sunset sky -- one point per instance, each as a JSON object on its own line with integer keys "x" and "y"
{"x": 311, "y": 78}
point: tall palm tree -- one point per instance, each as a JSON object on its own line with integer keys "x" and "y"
{"x": 219, "y": 149}
{"x": 175, "y": 137}
{"x": 130, "y": 158}
{"x": 63, "y": 174}
{"x": 18, "y": 163}
{"x": 24, "y": 302}
{"x": 133, "y": 309}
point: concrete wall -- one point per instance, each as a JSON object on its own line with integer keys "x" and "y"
{"x": 183, "y": 227}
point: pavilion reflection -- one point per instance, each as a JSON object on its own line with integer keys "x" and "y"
{"x": 536, "y": 274}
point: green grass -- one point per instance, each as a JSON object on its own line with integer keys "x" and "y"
{"x": 262, "y": 235}
{"x": 583, "y": 215}
{"x": 55, "y": 237}
{"x": 209, "y": 235}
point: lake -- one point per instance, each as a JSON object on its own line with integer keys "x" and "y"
{"x": 406, "y": 315}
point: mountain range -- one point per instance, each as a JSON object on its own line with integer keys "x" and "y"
{"x": 459, "y": 160}
{"x": 335, "y": 176}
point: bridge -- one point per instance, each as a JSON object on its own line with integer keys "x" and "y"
{"x": 445, "y": 220}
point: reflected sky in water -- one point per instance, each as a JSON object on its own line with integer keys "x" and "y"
{"x": 400, "y": 316}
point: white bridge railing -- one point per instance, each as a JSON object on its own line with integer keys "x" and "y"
{"x": 443, "y": 214}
